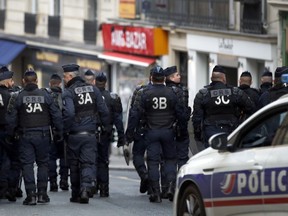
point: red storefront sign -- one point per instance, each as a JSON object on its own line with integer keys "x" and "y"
{"x": 135, "y": 40}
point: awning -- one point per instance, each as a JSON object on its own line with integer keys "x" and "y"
{"x": 125, "y": 58}
{"x": 9, "y": 50}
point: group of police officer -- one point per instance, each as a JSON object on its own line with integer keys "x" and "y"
{"x": 158, "y": 125}
{"x": 43, "y": 125}
{"x": 75, "y": 124}
{"x": 220, "y": 107}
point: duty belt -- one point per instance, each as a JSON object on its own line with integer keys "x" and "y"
{"x": 82, "y": 132}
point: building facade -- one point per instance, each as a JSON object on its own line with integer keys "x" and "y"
{"x": 126, "y": 38}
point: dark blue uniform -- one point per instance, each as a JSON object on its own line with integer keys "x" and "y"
{"x": 114, "y": 106}
{"x": 57, "y": 150}
{"x": 275, "y": 92}
{"x": 160, "y": 108}
{"x": 81, "y": 103}
{"x": 217, "y": 108}
{"x": 9, "y": 156}
{"x": 32, "y": 116}
{"x": 139, "y": 144}
{"x": 253, "y": 94}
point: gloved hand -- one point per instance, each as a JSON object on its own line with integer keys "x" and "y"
{"x": 183, "y": 136}
{"x": 129, "y": 137}
{"x": 197, "y": 135}
{"x": 121, "y": 141}
{"x": 9, "y": 140}
{"x": 58, "y": 137}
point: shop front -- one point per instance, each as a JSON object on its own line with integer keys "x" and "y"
{"x": 234, "y": 54}
{"x": 46, "y": 62}
{"x": 130, "y": 52}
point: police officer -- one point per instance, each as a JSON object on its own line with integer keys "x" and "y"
{"x": 245, "y": 83}
{"x": 82, "y": 103}
{"x": 57, "y": 148}
{"x": 277, "y": 90}
{"x": 9, "y": 157}
{"x": 173, "y": 79}
{"x": 114, "y": 105}
{"x": 89, "y": 77}
{"x": 33, "y": 113}
{"x": 217, "y": 107}
{"x": 139, "y": 144}
{"x": 160, "y": 107}
{"x": 266, "y": 81}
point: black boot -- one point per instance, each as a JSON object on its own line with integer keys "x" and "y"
{"x": 164, "y": 190}
{"x": 104, "y": 189}
{"x": 144, "y": 184}
{"x": 53, "y": 185}
{"x": 75, "y": 198}
{"x": 171, "y": 191}
{"x": 11, "y": 194}
{"x": 3, "y": 190}
{"x": 30, "y": 199}
{"x": 42, "y": 196}
{"x": 94, "y": 188}
{"x": 19, "y": 192}
{"x": 64, "y": 184}
{"x": 155, "y": 195}
{"x": 84, "y": 196}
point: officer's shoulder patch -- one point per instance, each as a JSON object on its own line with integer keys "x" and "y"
{"x": 204, "y": 91}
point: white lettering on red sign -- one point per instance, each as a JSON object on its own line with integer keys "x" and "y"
{"x": 131, "y": 39}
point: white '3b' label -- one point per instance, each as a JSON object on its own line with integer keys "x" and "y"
{"x": 159, "y": 103}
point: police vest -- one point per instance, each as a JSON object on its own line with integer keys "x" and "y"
{"x": 57, "y": 98}
{"x": 276, "y": 93}
{"x": 4, "y": 99}
{"x": 84, "y": 101}
{"x": 220, "y": 104}
{"x": 159, "y": 108}
{"x": 34, "y": 110}
{"x": 107, "y": 99}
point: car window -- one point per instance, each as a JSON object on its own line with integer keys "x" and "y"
{"x": 263, "y": 132}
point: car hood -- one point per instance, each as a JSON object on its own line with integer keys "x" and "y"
{"x": 203, "y": 153}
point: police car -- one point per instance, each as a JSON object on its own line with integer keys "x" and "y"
{"x": 244, "y": 173}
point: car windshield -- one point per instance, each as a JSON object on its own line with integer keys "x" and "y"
{"x": 263, "y": 133}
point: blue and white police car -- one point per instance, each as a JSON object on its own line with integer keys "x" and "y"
{"x": 244, "y": 173}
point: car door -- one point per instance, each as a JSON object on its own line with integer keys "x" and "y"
{"x": 238, "y": 180}
{"x": 275, "y": 183}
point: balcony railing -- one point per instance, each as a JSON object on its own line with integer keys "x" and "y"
{"x": 191, "y": 13}
{"x": 206, "y": 14}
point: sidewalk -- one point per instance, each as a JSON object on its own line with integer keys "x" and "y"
{"x": 117, "y": 161}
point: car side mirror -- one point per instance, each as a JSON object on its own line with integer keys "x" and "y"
{"x": 219, "y": 141}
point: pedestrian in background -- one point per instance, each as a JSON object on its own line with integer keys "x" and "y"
{"x": 218, "y": 106}
{"x": 32, "y": 115}
{"x": 82, "y": 103}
